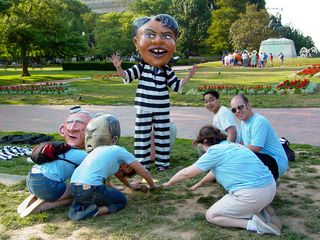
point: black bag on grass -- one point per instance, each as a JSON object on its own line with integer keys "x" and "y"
{"x": 49, "y": 151}
{"x": 289, "y": 152}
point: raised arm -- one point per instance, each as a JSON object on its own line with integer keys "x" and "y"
{"x": 208, "y": 178}
{"x": 192, "y": 71}
{"x": 117, "y": 64}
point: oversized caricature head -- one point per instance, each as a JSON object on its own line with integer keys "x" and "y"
{"x": 102, "y": 130}
{"x": 155, "y": 38}
{"x": 73, "y": 128}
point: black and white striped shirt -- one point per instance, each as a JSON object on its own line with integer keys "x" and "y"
{"x": 152, "y": 94}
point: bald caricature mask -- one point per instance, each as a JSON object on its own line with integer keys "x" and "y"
{"x": 102, "y": 130}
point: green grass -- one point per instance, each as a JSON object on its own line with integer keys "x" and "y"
{"x": 114, "y": 92}
{"x": 173, "y": 213}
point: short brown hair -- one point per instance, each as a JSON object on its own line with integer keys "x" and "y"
{"x": 210, "y": 135}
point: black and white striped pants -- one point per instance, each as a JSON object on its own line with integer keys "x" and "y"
{"x": 160, "y": 121}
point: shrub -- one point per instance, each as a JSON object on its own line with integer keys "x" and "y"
{"x": 102, "y": 66}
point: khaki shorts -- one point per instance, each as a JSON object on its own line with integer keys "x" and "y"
{"x": 244, "y": 203}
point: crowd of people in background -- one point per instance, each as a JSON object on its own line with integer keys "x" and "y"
{"x": 249, "y": 59}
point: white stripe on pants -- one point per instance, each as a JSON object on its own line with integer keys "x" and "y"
{"x": 160, "y": 121}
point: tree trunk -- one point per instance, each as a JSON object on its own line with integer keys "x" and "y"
{"x": 25, "y": 71}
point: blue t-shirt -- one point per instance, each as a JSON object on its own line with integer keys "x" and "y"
{"x": 59, "y": 170}
{"x": 257, "y": 131}
{"x": 101, "y": 163}
{"x": 235, "y": 166}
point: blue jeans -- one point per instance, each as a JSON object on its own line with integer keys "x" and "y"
{"x": 100, "y": 195}
{"x": 45, "y": 188}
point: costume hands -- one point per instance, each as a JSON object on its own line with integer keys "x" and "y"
{"x": 193, "y": 70}
{"x": 116, "y": 60}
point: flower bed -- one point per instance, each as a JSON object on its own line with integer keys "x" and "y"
{"x": 295, "y": 86}
{"x": 311, "y": 70}
{"x": 41, "y": 88}
{"x": 107, "y": 76}
{"x": 238, "y": 89}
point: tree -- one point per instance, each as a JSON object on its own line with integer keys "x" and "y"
{"x": 218, "y": 34}
{"x": 89, "y": 22}
{"x": 150, "y": 7}
{"x": 298, "y": 38}
{"x": 194, "y": 18}
{"x": 250, "y": 29}
{"x": 41, "y": 28}
{"x": 240, "y": 5}
{"x": 113, "y": 33}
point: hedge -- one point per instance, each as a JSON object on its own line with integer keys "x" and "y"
{"x": 107, "y": 66}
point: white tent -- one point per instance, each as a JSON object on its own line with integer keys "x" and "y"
{"x": 277, "y": 45}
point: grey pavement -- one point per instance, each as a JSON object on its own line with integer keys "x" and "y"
{"x": 298, "y": 125}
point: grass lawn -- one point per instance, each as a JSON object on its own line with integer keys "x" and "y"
{"x": 114, "y": 92}
{"x": 171, "y": 213}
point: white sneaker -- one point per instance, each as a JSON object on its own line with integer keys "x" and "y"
{"x": 263, "y": 227}
{"x": 265, "y": 216}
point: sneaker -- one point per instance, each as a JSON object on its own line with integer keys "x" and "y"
{"x": 77, "y": 211}
{"x": 265, "y": 216}
{"x": 263, "y": 227}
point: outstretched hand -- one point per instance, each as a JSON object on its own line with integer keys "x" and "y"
{"x": 166, "y": 184}
{"x": 195, "y": 186}
{"x": 193, "y": 70}
{"x": 116, "y": 60}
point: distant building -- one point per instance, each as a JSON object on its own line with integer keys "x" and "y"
{"x": 105, "y": 6}
{"x": 277, "y": 45}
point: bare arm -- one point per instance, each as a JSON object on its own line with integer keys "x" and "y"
{"x": 192, "y": 71}
{"x": 123, "y": 179}
{"x": 183, "y": 175}
{"x": 117, "y": 64}
{"x": 143, "y": 172}
{"x": 208, "y": 178}
{"x": 232, "y": 134}
{"x": 253, "y": 148}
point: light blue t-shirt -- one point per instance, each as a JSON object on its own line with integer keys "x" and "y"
{"x": 101, "y": 163}
{"x": 257, "y": 131}
{"x": 235, "y": 166}
{"x": 59, "y": 170}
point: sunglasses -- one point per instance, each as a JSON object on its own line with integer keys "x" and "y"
{"x": 234, "y": 110}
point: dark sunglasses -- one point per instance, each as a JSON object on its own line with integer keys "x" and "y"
{"x": 234, "y": 110}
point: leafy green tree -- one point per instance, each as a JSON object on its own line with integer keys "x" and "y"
{"x": 218, "y": 34}
{"x": 113, "y": 33}
{"x": 240, "y": 5}
{"x": 298, "y": 38}
{"x": 41, "y": 28}
{"x": 89, "y": 22}
{"x": 194, "y": 18}
{"x": 150, "y": 7}
{"x": 250, "y": 29}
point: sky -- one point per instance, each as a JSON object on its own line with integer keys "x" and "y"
{"x": 302, "y": 15}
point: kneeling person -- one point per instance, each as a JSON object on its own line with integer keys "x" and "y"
{"x": 91, "y": 196}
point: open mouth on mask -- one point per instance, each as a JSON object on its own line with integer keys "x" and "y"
{"x": 158, "y": 52}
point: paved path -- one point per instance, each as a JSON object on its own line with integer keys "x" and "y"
{"x": 298, "y": 125}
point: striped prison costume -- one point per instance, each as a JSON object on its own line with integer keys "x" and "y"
{"x": 152, "y": 110}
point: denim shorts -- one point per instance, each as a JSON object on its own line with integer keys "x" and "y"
{"x": 45, "y": 188}
{"x": 101, "y": 195}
